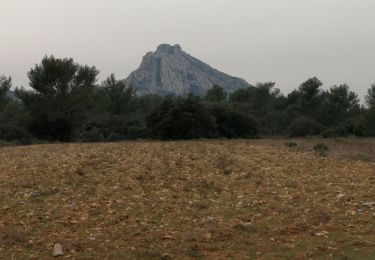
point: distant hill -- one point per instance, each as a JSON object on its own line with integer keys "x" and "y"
{"x": 170, "y": 70}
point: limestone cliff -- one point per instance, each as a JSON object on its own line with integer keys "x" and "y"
{"x": 170, "y": 70}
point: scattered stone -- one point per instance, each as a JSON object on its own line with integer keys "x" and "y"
{"x": 322, "y": 234}
{"x": 208, "y": 236}
{"x": 34, "y": 194}
{"x": 166, "y": 256}
{"x": 340, "y": 196}
{"x": 168, "y": 237}
{"x": 368, "y": 204}
{"x": 57, "y": 250}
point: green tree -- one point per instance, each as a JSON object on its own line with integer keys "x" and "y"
{"x": 179, "y": 118}
{"x": 232, "y": 123}
{"x": 340, "y": 110}
{"x": 369, "y": 114}
{"x": 264, "y": 103}
{"x": 303, "y": 126}
{"x": 307, "y": 100}
{"x": 118, "y": 95}
{"x": 216, "y": 94}
{"x": 60, "y": 99}
{"x": 5, "y": 85}
{"x": 12, "y": 115}
{"x": 370, "y": 97}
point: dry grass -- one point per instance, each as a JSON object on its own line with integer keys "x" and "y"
{"x": 187, "y": 200}
{"x": 340, "y": 148}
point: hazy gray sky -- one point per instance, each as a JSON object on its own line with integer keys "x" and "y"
{"x": 285, "y": 41}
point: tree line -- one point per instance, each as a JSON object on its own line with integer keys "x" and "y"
{"x": 65, "y": 103}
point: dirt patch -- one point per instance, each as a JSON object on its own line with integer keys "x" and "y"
{"x": 184, "y": 200}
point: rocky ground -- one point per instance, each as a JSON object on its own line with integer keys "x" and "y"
{"x": 184, "y": 200}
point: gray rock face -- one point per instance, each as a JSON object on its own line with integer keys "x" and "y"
{"x": 169, "y": 70}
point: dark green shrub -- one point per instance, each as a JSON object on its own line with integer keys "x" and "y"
{"x": 359, "y": 128}
{"x": 335, "y": 132}
{"x": 304, "y": 126}
{"x": 92, "y": 134}
{"x": 49, "y": 127}
{"x": 321, "y": 149}
{"x": 178, "y": 118}
{"x": 233, "y": 124}
{"x": 290, "y": 144}
{"x": 14, "y": 133}
{"x": 216, "y": 94}
{"x": 138, "y": 132}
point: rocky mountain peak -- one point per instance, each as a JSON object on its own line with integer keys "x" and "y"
{"x": 170, "y": 70}
{"x": 169, "y": 49}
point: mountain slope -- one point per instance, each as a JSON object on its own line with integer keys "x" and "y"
{"x": 170, "y": 70}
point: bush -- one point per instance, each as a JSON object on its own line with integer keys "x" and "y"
{"x": 137, "y": 132}
{"x": 321, "y": 149}
{"x": 290, "y": 144}
{"x": 233, "y": 124}
{"x": 47, "y": 127}
{"x": 92, "y": 134}
{"x": 13, "y": 123}
{"x": 178, "y": 118}
{"x": 111, "y": 128}
{"x": 120, "y": 125}
{"x": 14, "y": 133}
{"x": 304, "y": 126}
{"x": 369, "y": 122}
{"x": 359, "y": 128}
{"x": 335, "y": 132}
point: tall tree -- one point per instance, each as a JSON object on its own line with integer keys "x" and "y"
{"x": 306, "y": 100}
{"x": 369, "y": 115}
{"x": 216, "y": 94}
{"x": 5, "y": 85}
{"x": 341, "y": 106}
{"x": 370, "y": 97}
{"x": 264, "y": 103}
{"x": 60, "y": 98}
{"x": 119, "y": 95}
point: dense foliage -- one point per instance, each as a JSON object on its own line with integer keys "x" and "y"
{"x": 65, "y": 103}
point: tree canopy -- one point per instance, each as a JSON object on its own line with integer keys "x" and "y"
{"x": 65, "y": 103}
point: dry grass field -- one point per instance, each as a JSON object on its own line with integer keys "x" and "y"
{"x": 189, "y": 200}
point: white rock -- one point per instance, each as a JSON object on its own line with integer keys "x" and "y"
{"x": 57, "y": 250}
{"x": 369, "y": 203}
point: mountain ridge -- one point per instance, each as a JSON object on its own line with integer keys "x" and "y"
{"x": 170, "y": 70}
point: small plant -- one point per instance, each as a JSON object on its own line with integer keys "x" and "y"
{"x": 321, "y": 149}
{"x": 291, "y": 184}
{"x": 363, "y": 157}
{"x": 224, "y": 163}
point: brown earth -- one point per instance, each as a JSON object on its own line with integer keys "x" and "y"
{"x": 185, "y": 200}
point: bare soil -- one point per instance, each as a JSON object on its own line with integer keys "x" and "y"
{"x": 188, "y": 200}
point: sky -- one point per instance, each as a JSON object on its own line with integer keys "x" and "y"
{"x": 285, "y": 41}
